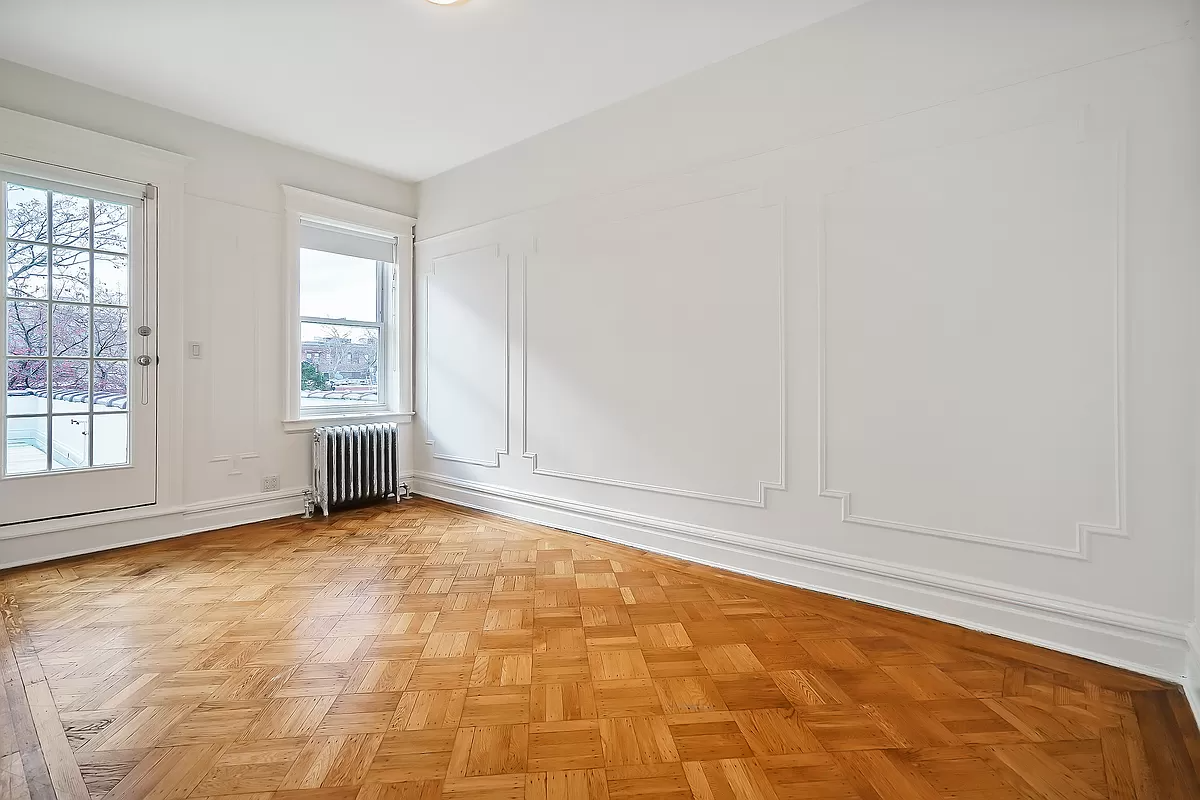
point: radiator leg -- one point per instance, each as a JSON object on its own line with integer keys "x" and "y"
{"x": 402, "y": 487}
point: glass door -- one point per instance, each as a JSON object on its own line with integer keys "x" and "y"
{"x": 79, "y": 360}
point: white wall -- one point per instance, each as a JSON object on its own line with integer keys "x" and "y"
{"x": 901, "y": 306}
{"x": 229, "y": 299}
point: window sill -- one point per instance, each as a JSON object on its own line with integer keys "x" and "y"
{"x": 308, "y": 423}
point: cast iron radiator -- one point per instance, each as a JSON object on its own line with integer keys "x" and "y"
{"x": 354, "y": 464}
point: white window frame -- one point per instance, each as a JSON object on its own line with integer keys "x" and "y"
{"x": 396, "y": 332}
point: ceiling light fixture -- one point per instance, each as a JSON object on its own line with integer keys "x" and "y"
{"x": 443, "y": 2}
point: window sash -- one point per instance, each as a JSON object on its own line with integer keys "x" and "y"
{"x": 384, "y": 365}
{"x": 382, "y": 271}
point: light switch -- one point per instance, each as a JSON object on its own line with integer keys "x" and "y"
{"x": 193, "y": 350}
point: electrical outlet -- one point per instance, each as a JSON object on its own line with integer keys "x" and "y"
{"x": 270, "y": 483}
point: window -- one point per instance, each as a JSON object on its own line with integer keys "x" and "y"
{"x": 350, "y": 276}
{"x": 66, "y": 308}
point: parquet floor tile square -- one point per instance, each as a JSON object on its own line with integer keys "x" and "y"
{"x": 254, "y": 766}
{"x": 489, "y": 787}
{"x": 868, "y": 685}
{"x": 776, "y": 732}
{"x": 777, "y": 655}
{"x": 731, "y": 777}
{"x": 381, "y": 676}
{"x": 707, "y": 736}
{"x": 422, "y": 651}
{"x": 612, "y": 665}
{"x": 809, "y": 687}
{"x": 429, "y": 708}
{"x": 560, "y": 667}
{"x": 745, "y": 690}
{"x": 850, "y": 727}
{"x": 637, "y": 740}
{"x": 441, "y": 673}
{"x": 412, "y": 756}
{"x": 567, "y": 745}
{"x": 809, "y": 776}
{"x": 359, "y": 714}
{"x": 662, "y": 634}
{"x": 573, "y": 784}
{"x": 489, "y": 750}
{"x": 332, "y": 761}
{"x": 689, "y": 694}
{"x": 216, "y": 721}
{"x": 557, "y": 702}
{"x": 495, "y": 705}
{"x": 729, "y": 658}
{"x": 652, "y": 614}
{"x": 626, "y": 698}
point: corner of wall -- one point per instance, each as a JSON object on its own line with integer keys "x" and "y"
{"x": 1191, "y": 678}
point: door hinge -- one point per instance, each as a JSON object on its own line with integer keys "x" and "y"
{"x": 151, "y": 192}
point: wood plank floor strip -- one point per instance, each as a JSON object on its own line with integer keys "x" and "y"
{"x": 424, "y": 650}
{"x": 1167, "y": 752}
{"x": 35, "y": 776}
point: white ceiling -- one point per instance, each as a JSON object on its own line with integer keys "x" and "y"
{"x": 401, "y": 86}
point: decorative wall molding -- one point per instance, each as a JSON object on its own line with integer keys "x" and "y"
{"x": 759, "y": 499}
{"x": 239, "y": 244}
{"x": 234, "y": 461}
{"x": 1143, "y": 643}
{"x": 495, "y": 462}
{"x": 1083, "y": 530}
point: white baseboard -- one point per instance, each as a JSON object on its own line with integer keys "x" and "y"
{"x": 1191, "y": 679}
{"x": 54, "y": 539}
{"x": 1149, "y": 645}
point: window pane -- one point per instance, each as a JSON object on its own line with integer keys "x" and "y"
{"x": 66, "y": 358}
{"x": 69, "y": 386}
{"x": 338, "y": 287}
{"x": 110, "y": 386}
{"x": 70, "y": 442}
{"x": 112, "y": 227}
{"x": 112, "y": 332}
{"x": 25, "y": 442}
{"x": 339, "y": 365}
{"x": 26, "y": 387}
{"x": 72, "y": 220}
{"x": 27, "y": 324}
{"x": 25, "y": 272}
{"x": 71, "y": 333}
{"x": 112, "y": 279}
{"x": 72, "y": 275}
{"x": 111, "y": 447}
{"x": 26, "y": 213}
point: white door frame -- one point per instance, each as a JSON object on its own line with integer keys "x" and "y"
{"x": 49, "y": 150}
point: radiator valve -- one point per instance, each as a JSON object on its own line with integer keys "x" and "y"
{"x": 309, "y": 506}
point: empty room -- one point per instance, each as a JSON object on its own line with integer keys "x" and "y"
{"x": 600, "y": 400}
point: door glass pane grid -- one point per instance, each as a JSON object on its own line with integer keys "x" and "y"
{"x": 67, "y": 339}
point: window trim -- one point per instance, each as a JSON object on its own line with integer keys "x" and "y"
{"x": 396, "y": 351}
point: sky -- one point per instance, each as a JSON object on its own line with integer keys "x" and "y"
{"x": 337, "y": 286}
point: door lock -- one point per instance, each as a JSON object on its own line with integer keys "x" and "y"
{"x": 143, "y": 360}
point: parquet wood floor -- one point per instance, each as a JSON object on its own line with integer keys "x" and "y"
{"x": 425, "y": 651}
